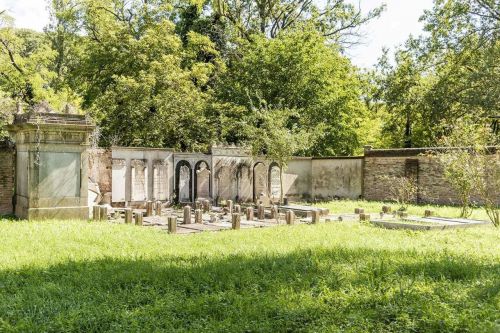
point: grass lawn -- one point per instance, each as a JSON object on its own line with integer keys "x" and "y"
{"x": 348, "y": 206}
{"x": 76, "y": 276}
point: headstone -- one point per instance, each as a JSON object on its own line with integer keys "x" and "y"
{"x": 236, "y": 219}
{"x": 172, "y": 224}
{"x": 290, "y": 217}
{"x": 261, "y": 214}
{"x": 149, "y": 208}
{"x": 206, "y": 206}
{"x": 103, "y": 214}
{"x": 197, "y": 204}
{"x": 96, "y": 213}
{"x": 315, "y": 216}
{"x": 187, "y": 215}
{"x": 160, "y": 180}
{"x": 237, "y": 209}
{"x": 203, "y": 181}
{"x": 184, "y": 181}
{"x": 245, "y": 188}
{"x": 230, "y": 207}
{"x": 275, "y": 182}
{"x": 138, "y": 218}
{"x": 198, "y": 217}
{"x": 128, "y": 215}
{"x": 249, "y": 214}
{"x": 139, "y": 180}
{"x": 118, "y": 179}
{"x": 260, "y": 179}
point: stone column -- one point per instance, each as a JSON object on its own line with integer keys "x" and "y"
{"x": 172, "y": 224}
{"x": 236, "y": 219}
{"x": 230, "y": 207}
{"x": 128, "y": 215}
{"x": 249, "y": 213}
{"x": 187, "y": 215}
{"x": 261, "y": 214}
{"x": 149, "y": 208}
{"x": 198, "y": 217}
{"x": 138, "y": 218}
{"x": 290, "y": 217}
{"x": 315, "y": 216}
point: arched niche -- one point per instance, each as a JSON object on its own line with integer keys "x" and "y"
{"x": 183, "y": 183}
{"x": 202, "y": 180}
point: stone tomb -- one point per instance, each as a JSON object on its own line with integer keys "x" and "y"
{"x": 52, "y": 165}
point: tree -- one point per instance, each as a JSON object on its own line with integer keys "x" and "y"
{"x": 449, "y": 73}
{"x": 299, "y": 71}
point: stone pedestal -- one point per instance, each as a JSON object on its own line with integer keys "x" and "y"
{"x": 52, "y": 165}
{"x": 236, "y": 221}
{"x": 249, "y": 213}
{"x": 187, "y": 215}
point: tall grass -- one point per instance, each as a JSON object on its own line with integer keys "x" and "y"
{"x": 72, "y": 276}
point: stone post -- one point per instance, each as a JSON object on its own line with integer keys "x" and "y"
{"x": 290, "y": 217}
{"x": 149, "y": 208}
{"x": 236, "y": 221}
{"x": 261, "y": 214}
{"x": 138, "y": 218}
{"x": 315, "y": 216}
{"x": 128, "y": 215}
{"x": 386, "y": 209}
{"x": 197, "y": 204}
{"x": 364, "y": 217}
{"x": 206, "y": 206}
{"x": 274, "y": 213}
{"x": 96, "y": 213}
{"x": 103, "y": 213}
{"x": 187, "y": 215}
{"x": 158, "y": 208}
{"x": 172, "y": 224}
{"x": 198, "y": 217}
{"x": 230, "y": 206}
{"x": 428, "y": 213}
{"x": 237, "y": 209}
{"x": 359, "y": 211}
{"x": 249, "y": 213}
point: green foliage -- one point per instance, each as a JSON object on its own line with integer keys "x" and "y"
{"x": 74, "y": 276}
{"x": 450, "y": 72}
{"x": 298, "y": 71}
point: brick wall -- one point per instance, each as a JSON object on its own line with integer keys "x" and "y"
{"x": 100, "y": 168}
{"x": 432, "y": 185}
{"x": 7, "y": 164}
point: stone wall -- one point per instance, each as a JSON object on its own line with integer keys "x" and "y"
{"x": 416, "y": 162}
{"x": 7, "y": 167}
{"x": 100, "y": 166}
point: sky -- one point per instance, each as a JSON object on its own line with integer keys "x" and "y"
{"x": 399, "y": 20}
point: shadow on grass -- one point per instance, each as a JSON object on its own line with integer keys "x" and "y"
{"x": 320, "y": 290}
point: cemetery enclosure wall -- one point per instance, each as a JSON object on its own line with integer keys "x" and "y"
{"x": 7, "y": 178}
{"x": 416, "y": 163}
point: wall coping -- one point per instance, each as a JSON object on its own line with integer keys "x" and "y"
{"x": 405, "y": 152}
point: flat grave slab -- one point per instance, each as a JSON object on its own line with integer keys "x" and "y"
{"x": 427, "y": 223}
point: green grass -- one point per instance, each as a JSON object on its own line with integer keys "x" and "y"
{"x": 348, "y": 206}
{"x": 75, "y": 276}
